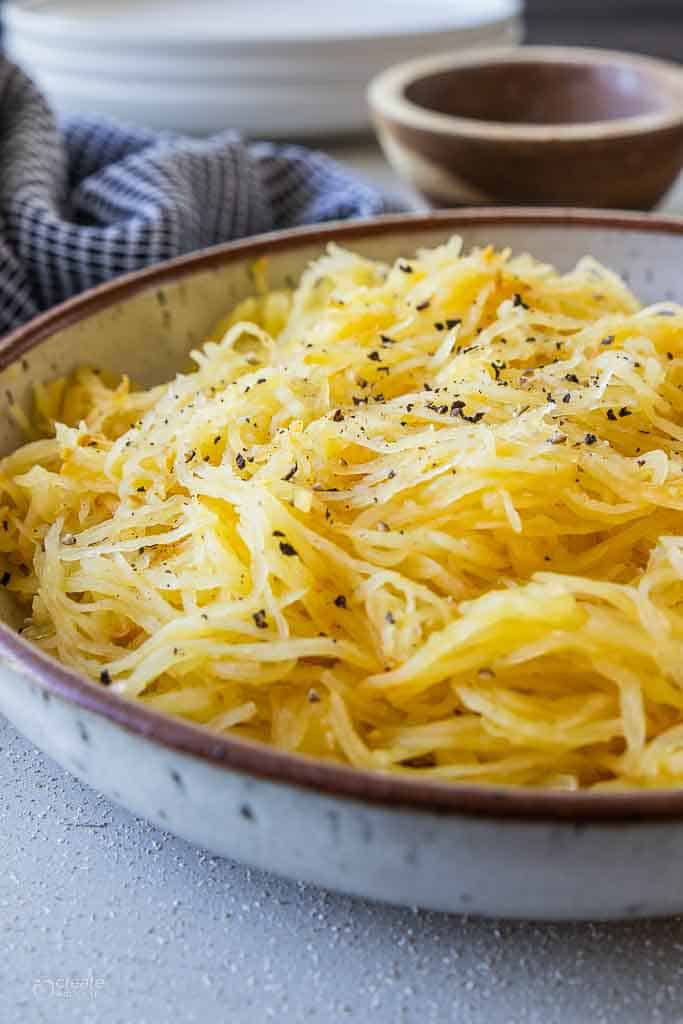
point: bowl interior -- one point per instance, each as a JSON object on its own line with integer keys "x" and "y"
{"x": 541, "y": 92}
{"x": 147, "y": 328}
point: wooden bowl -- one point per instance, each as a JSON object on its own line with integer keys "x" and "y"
{"x": 572, "y": 126}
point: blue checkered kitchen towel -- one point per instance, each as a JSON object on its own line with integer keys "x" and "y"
{"x": 101, "y": 199}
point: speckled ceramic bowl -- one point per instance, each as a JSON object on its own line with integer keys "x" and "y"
{"x": 515, "y": 853}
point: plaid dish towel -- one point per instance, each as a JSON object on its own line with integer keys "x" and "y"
{"x": 103, "y": 199}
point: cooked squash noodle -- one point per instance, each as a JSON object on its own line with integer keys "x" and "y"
{"x": 422, "y": 518}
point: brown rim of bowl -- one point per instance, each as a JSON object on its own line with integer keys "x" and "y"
{"x": 386, "y": 95}
{"x": 258, "y": 759}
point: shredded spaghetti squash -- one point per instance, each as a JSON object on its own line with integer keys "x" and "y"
{"x": 423, "y": 518}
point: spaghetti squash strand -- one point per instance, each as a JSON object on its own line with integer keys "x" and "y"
{"x": 422, "y": 518}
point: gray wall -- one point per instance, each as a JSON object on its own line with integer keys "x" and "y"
{"x": 647, "y": 26}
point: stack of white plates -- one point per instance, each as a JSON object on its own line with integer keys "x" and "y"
{"x": 290, "y": 68}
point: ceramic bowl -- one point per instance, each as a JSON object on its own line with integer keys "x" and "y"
{"x": 485, "y": 850}
{"x": 573, "y": 126}
{"x": 273, "y": 68}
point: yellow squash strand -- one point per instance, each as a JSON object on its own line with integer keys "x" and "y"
{"x": 425, "y": 518}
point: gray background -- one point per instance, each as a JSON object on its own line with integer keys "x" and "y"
{"x": 167, "y": 932}
{"x": 647, "y": 26}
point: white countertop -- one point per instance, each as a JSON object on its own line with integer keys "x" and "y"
{"x": 158, "y": 931}
{"x": 106, "y": 919}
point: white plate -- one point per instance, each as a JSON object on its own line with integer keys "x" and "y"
{"x": 487, "y": 850}
{"x": 211, "y": 22}
{"x": 266, "y": 68}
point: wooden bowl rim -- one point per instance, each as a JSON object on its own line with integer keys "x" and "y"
{"x": 387, "y": 98}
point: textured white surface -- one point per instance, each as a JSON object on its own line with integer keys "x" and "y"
{"x": 167, "y": 932}
{"x": 158, "y": 930}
